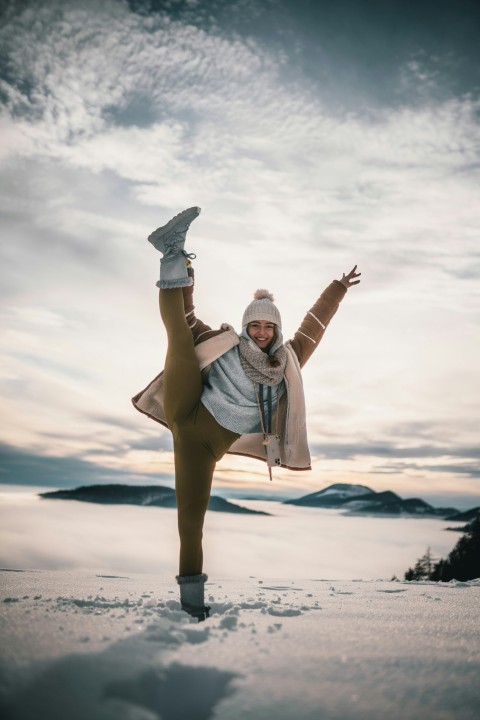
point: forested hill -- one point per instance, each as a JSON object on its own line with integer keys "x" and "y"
{"x": 144, "y": 495}
{"x": 362, "y": 500}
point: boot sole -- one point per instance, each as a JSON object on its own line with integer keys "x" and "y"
{"x": 184, "y": 219}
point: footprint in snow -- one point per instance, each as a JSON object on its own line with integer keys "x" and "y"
{"x": 285, "y": 612}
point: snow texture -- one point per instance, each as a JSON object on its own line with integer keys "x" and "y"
{"x": 107, "y": 647}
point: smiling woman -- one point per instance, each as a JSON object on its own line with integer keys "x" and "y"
{"x": 261, "y": 331}
{"x": 222, "y": 392}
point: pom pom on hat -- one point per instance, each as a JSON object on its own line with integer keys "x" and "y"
{"x": 262, "y": 294}
{"x": 262, "y": 308}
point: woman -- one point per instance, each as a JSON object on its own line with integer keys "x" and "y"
{"x": 222, "y": 392}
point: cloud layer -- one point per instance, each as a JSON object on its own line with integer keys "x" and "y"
{"x": 114, "y": 119}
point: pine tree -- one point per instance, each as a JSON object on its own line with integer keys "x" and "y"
{"x": 463, "y": 563}
{"x": 423, "y": 568}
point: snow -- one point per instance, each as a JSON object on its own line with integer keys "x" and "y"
{"x": 78, "y": 645}
{"x": 345, "y": 490}
{"x": 305, "y": 622}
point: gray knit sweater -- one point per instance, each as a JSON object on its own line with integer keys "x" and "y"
{"x": 229, "y": 395}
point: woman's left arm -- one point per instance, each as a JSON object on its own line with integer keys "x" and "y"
{"x": 318, "y": 317}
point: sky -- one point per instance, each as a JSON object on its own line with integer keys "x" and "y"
{"x": 314, "y": 136}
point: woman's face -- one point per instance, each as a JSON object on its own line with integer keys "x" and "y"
{"x": 261, "y": 332}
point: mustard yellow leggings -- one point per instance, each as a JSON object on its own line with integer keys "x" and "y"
{"x": 198, "y": 440}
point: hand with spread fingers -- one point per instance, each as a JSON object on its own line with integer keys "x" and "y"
{"x": 348, "y": 280}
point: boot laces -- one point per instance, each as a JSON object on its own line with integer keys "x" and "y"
{"x": 171, "y": 245}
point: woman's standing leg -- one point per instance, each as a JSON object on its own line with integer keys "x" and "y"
{"x": 194, "y": 468}
{"x": 199, "y": 445}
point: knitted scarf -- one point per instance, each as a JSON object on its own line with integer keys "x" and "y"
{"x": 260, "y": 367}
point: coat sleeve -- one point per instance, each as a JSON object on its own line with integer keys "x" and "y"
{"x": 316, "y": 320}
{"x": 200, "y": 331}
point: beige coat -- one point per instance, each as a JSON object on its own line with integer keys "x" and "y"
{"x": 210, "y": 345}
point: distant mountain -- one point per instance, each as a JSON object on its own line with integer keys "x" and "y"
{"x": 145, "y": 495}
{"x": 334, "y": 496}
{"x": 467, "y": 515}
{"x": 362, "y": 500}
{"x": 472, "y": 516}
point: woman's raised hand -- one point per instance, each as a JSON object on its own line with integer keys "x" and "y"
{"x": 348, "y": 280}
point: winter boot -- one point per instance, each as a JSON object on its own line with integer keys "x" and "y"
{"x": 170, "y": 241}
{"x": 192, "y": 595}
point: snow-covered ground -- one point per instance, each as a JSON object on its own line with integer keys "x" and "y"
{"x": 301, "y": 627}
{"x": 86, "y": 647}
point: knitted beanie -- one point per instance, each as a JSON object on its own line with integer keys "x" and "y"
{"x": 262, "y": 308}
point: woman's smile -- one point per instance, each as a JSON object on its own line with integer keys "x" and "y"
{"x": 261, "y": 332}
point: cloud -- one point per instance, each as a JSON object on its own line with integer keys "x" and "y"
{"x": 113, "y": 118}
{"x": 19, "y": 467}
{"x": 127, "y": 539}
{"x": 392, "y": 450}
{"x": 228, "y": 128}
{"x": 394, "y": 458}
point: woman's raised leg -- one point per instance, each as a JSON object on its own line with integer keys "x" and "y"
{"x": 182, "y": 379}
